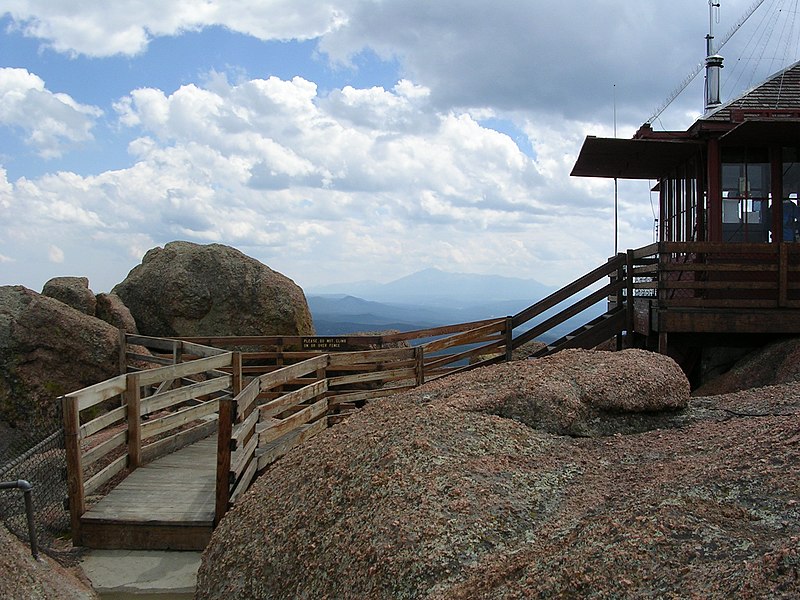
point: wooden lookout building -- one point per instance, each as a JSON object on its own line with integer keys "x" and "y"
{"x": 725, "y": 270}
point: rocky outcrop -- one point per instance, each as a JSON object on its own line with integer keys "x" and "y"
{"x": 113, "y": 311}
{"x": 24, "y": 578}
{"x": 72, "y": 291}
{"x": 778, "y": 362}
{"x": 433, "y": 494}
{"x": 582, "y": 392}
{"x": 187, "y": 289}
{"x": 48, "y": 349}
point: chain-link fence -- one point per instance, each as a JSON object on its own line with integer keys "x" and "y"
{"x": 34, "y": 453}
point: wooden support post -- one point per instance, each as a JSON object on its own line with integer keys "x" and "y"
{"x": 123, "y": 349}
{"x": 662, "y": 342}
{"x": 783, "y": 274}
{"x": 509, "y": 332}
{"x": 236, "y": 374}
{"x": 663, "y": 259}
{"x": 227, "y": 409}
{"x": 620, "y": 300}
{"x": 72, "y": 445}
{"x": 629, "y": 300}
{"x": 419, "y": 367}
{"x": 132, "y": 400}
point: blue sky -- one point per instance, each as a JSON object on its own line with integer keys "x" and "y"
{"x": 346, "y": 140}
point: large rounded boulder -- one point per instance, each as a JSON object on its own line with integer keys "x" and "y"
{"x": 432, "y": 494}
{"x": 113, "y": 311}
{"x": 584, "y": 393}
{"x": 72, "y": 291}
{"x": 48, "y": 349}
{"x": 186, "y": 289}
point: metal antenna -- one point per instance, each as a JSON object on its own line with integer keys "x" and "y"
{"x": 713, "y": 61}
{"x": 699, "y": 67}
{"x": 616, "y": 184}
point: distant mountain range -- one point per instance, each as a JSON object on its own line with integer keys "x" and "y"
{"x": 434, "y": 287}
{"x": 428, "y": 298}
{"x": 335, "y": 314}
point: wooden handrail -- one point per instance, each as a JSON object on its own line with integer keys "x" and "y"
{"x": 569, "y": 290}
{"x": 285, "y": 404}
{"x": 128, "y": 388}
{"x": 569, "y": 312}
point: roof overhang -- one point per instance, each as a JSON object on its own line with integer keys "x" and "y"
{"x": 774, "y": 131}
{"x": 632, "y": 158}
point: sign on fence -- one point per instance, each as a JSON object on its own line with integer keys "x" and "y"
{"x": 324, "y": 343}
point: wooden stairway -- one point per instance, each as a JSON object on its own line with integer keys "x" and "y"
{"x": 590, "y": 335}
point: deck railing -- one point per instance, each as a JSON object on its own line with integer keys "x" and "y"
{"x": 720, "y": 276}
{"x": 575, "y": 298}
{"x": 447, "y": 349}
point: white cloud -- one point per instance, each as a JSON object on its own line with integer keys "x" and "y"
{"x": 513, "y": 56}
{"x": 127, "y": 26}
{"x": 55, "y": 254}
{"x": 290, "y": 177}
{"x": 361, "y": 181}
{"x": 52, "y": 121}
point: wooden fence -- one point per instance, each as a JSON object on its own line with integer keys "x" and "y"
{"x": 716, "y": 275}
{"x": 266, "y": 395}
{"x": 265, "y": 421}
{"x": 179, "y": 403}
{"x": 575, "y": 298}
{"x": 447, "y": 349}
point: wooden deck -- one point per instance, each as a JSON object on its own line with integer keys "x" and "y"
{"x": 167, "y": 504}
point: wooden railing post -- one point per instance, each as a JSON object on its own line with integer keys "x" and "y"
{"x": 620, "y": 297}
{"x": 419, "y": 364}
{"x": 629, "y": 300}
{"x": 227, "y": 410}
{"x": 72, "y": 446}
{"x": 663, "y": 259}
{"x": 133, "y": 402}
{"x": 236, "y": 374}
{"x": 123, "y": 349}
{"x": 509, "y": 335}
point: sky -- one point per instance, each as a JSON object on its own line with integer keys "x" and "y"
{"x": 344, "y": 140}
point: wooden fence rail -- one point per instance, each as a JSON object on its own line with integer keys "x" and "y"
{"x": 614, "y": 267}
{"x": 447, "y": 348}
{"x": 265, "y": 420}
{"x": 176, "y": 415}
{"x": 717, "y": 275}
{"x": 264, "y": 395}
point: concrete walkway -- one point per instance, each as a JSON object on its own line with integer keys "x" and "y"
{"x": 141, "y": 574}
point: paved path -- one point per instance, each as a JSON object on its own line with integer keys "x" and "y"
{"x": 142, "y": 574}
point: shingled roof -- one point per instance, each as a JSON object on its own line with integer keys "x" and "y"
{"x": 780, "y": 92}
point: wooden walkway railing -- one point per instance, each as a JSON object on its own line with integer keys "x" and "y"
{"x": 179, "y": 403}
{"x": 263, "y": 396}
{"x": 717, "y": 275}
{"x": 262, "y": 423}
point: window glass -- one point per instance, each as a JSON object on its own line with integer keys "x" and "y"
{"x": 746, "y": 195}
{"x": 791, "y": 187}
